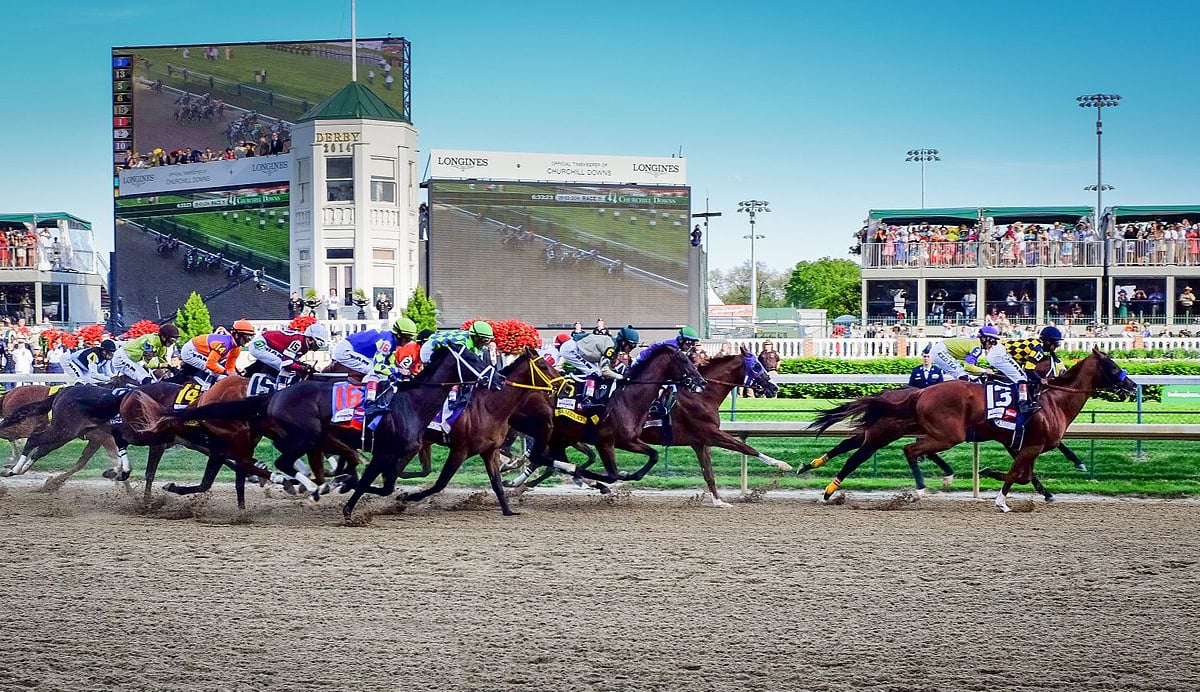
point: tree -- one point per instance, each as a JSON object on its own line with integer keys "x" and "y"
{"x": 832, "y": 284}
{"x": 422, "y": 310}
{"x": 193, "y": 318}
{"x": 733, "y": 286}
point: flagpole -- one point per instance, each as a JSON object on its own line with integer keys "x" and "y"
{"x": 353, "y": 40}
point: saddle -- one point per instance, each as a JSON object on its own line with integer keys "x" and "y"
{"x": 571, "y": 402}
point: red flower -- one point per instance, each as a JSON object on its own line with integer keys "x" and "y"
{"x": 91, "y": 335}
{"x": 301, "y": 322}
{"x": 140, "y": 328}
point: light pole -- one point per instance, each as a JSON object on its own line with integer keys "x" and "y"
{"x": 921, "y": 156}
{"x": 1100, "y": 102}
{"x": 753, "y": 207}
{"x": 706, "y": 215}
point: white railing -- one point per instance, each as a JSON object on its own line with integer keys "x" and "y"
{"x": 891, "y": 347}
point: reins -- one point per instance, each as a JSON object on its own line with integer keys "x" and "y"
{"x": 536, "y": 374}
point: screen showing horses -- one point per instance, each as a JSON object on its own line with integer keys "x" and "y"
{"x": 553, "y": 253}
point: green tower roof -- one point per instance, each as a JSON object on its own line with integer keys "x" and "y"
{"x": 353, "y": 102}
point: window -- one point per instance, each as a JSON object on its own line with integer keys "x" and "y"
{"x": 339, "y": 178}
{"x": 383, "y": 254}
{"x": 339, "y": 253}
{"x": 54, "y": 303}
{"x": 305, "y": 180}
{"x": 383, "y": 180}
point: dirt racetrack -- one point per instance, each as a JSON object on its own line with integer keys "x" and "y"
{"x": 649, "y": 592}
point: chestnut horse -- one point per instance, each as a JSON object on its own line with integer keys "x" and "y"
{"x": 529, "y": 383}
{"x": 14, "y": 399}
{"x": 953, "y": 412}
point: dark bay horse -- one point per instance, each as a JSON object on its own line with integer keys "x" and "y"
{"x": 529, "y": 383}
{"x": 696, "y": 421}
{"x": 623, "y": 422}
{"x": 401, "y": 430}
{"x": 951, "y": 413}
{"x": 14, "y": 399}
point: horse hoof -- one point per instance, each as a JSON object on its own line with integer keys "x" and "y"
{"x": 920, "y": 493}
{"x": 1082, "y": 468}
{"x": 1050, "y": 499}
{"x": 720, "y": 504}
{"x": 6, "y": 472}
{"x": 783, "y": 466}
{"x": 123, "y": 476}
{"x": 110, "y": 474}
{"x": 170, "y": 488}
{"x": 803, "y": 469}
{"x": 947, "y": 481}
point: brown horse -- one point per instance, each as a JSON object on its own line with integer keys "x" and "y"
{"x": 624, "y": 420}
{"x": 887, "y": 431}
{"x": 481, "y": 428}
{"x": 14, "y": 399}
{"x": 230, "y": 443}
{"x": 953, "y": 412}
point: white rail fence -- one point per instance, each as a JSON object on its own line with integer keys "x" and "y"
{"x": 855, "y": 349}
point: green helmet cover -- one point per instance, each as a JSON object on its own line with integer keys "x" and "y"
{"x": 688, "y": 333}
{"x": 481, "y": 328}
{"x": 404, "y": 325}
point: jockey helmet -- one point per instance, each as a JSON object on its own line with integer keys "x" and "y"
{"x": 1051, "y": 333}
{"x": 108, "y": 345}
{"x": 687, "y": 334}
{"x": 987, "y": 331}
{"x": 481, "y": 330}
{"x": 629, "y": 335}
{"x": 561, "y": 339}
{"x": 424, "y": 335}
{"x": 243, "y": 327}
{"x": 318, "y": 333}
{"x": 168, "y": 332}
{"x": 405, "y": 326}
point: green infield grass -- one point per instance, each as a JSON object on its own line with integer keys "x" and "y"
{"x": 271, "y": 240}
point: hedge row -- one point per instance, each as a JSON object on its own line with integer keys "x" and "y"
{"x": 903, "y": 366}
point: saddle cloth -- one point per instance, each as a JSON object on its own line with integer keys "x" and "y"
{"x": 452, "y": 408}
{"x": 568, "y": 403}
{"x": 1000, "y": 399}
{"x": 346, "y": 403}
{"x": 188, "y": 395}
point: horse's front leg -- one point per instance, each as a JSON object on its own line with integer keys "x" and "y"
{"x": 1021, "y": 471}
{"x": 704, "y": 456}
{"x": 639, "y": 447}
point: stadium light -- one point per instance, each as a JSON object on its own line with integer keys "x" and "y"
{"x": 753, "y": 207}
{"x": 921, "y": 156}
{"x": 1100, "y": 102}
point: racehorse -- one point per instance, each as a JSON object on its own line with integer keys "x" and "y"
{"x": 902, "y": 427}
{"x": 400, "y": 431}
{"x": 623, "y": 422}
{"x": 481, "y": 429}
{"x": 15, "y": 399}
{"x": 228, "y": 442}
{"x": 695, "y": 421}
{"x": 78, "y": 411}
{"x": 953, "y": 412}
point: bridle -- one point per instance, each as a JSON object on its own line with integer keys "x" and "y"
{"x": 539, "y": 380}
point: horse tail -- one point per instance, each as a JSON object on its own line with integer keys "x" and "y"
{"x": 244, "y": 410}
{"x": 867, "y": 410}
{"x": 847, "y": 411}
{"x": 30, "y": 410}
{"x": 150, "y": 419}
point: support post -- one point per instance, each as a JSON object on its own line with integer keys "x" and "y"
{"x": 975, "y": 470}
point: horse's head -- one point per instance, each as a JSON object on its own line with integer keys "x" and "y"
{"x": 756, "y": 376}
{"x": 1113, "y": 376}
{"x": 531, "y": 370}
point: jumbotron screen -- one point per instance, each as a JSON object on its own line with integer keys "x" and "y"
{"x": 218, "y": 95}
{"x": 555, "y": 253}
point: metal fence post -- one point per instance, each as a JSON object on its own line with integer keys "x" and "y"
{"x": 1138, "y": 455}
{"x": 975, "y": 470}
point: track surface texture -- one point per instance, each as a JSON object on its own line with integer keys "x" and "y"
{"x": 632, "y": 592}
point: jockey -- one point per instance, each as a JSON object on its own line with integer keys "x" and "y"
{"x": 1028, "y": 353}
{"x": 685, "y": 340}
{"x": 209, "y": 357}
{"x": 398, "y": 362}
{"x": 92, "y": 365}
{"x": 278, "y": 352}
{"x": 592, "y": 357}
{"x": 476, "y": 338}
{"x": 551, "y": 354}
{"x": 960, "y": 357}
{"x": 145, "y": 353}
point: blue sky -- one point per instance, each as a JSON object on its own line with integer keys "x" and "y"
{"x": 810, "y": 107}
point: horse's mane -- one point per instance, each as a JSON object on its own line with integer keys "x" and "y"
{"x": 644, "y": 359}
{"x": 1072, "y": 373}
{"x": 508, "y": 369}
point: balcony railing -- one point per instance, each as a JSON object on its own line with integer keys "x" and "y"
{"x": 1001, "y": 253}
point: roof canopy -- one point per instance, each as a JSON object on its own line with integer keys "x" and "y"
{"x": 353, "y": 102}
{"x": 1169, "y": 212}
{"x": 1006, "y": 215}
{"x": 906, "y": 217}
{"x": 43, "y": 218}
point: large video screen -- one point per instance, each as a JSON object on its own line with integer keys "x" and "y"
{"x": 552, "y": 254}
{"x": 219, "y": 95}
{"x": 169, "y": 245}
